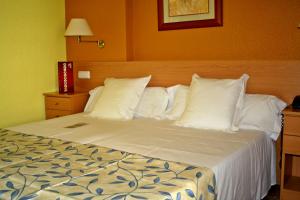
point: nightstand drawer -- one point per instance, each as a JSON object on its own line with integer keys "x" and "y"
{"x": 291, "y": 144}
{"x": 57, "y": 103}
{"x": 292, "y": 125}
{"x": 57, "y": 113}
{"x": 290, "y": 194}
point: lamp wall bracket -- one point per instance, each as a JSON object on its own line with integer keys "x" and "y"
{"x": 100, "y": 43}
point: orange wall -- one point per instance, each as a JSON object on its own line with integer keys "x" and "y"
{"x": 256, "y": 29}
{"x": 253, "y": 29}
{"x": 107, "y": 19}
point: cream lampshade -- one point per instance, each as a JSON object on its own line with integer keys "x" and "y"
{"x": 78, "y": 27}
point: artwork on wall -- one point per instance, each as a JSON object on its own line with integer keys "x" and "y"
{"x": 184, "y": 14}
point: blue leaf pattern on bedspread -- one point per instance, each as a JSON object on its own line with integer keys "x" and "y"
{"x": 35, "y": 167}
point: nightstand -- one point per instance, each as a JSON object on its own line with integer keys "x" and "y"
{"x": 290, "y": 172}
{"x": 57, "y": 105}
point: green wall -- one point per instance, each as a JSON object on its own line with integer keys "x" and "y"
{"x": 31, "y": 42}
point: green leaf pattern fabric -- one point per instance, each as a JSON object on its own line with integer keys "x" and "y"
{"x": 35, "y": 167}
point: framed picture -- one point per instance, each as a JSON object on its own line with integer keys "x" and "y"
{"x": 184, "y": 14}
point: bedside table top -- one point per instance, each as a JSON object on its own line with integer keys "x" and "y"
{"x": 66, "y": 95}
{"x": 289, "y": 111}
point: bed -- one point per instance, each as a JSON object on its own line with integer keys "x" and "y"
{"x": 227, "y": 156}
{"x": 238, "y": 166}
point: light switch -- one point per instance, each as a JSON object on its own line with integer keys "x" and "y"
{"x": 84, "y": 74}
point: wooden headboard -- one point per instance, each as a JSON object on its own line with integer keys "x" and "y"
{"x": 280, "y": 78}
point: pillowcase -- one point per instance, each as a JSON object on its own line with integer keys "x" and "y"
{"x": 178, "y": 95}
{"x": 213, "y": 103}
{"x": 263, "y": 112}
{"x": 119, "y": 98}
{"x": 94, "y": 96}
{"x": 153, "y": 103}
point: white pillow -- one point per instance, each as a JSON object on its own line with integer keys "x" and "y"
{"x": 153, "y": 103}
{"x": 119, "y": 98}
{"x": 178, "y": 95}
{"x": 94, "y": 96}
{"x": 212, "y": 103}
{"x": 262, "y": 112}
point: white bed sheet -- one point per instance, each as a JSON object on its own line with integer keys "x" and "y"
{"x": 244, "y": 162}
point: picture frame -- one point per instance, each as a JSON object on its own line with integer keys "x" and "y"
{"x": 177, "y": 14}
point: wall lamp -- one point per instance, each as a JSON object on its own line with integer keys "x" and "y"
{"x": 79, "y": 27}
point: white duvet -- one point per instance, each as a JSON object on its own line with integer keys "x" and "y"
{"x": 244, "y": 162}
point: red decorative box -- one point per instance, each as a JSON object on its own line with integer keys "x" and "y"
{"x": 65, "y": 77}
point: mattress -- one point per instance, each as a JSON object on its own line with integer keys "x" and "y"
{"x": 243, "y": 162}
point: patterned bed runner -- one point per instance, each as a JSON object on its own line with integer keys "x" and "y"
{"x": 35, "y": 167}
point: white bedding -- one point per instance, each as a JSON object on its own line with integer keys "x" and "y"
{"x": 244, "y": 163}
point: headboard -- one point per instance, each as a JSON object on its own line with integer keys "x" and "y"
{"x": 280, "y": 78}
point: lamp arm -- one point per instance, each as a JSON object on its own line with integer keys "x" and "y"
{"x": 100, "y": 43}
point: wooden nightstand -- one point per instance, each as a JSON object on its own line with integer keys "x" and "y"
{"x": 290, "y": 172}
{"x": 57, "y": 105}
